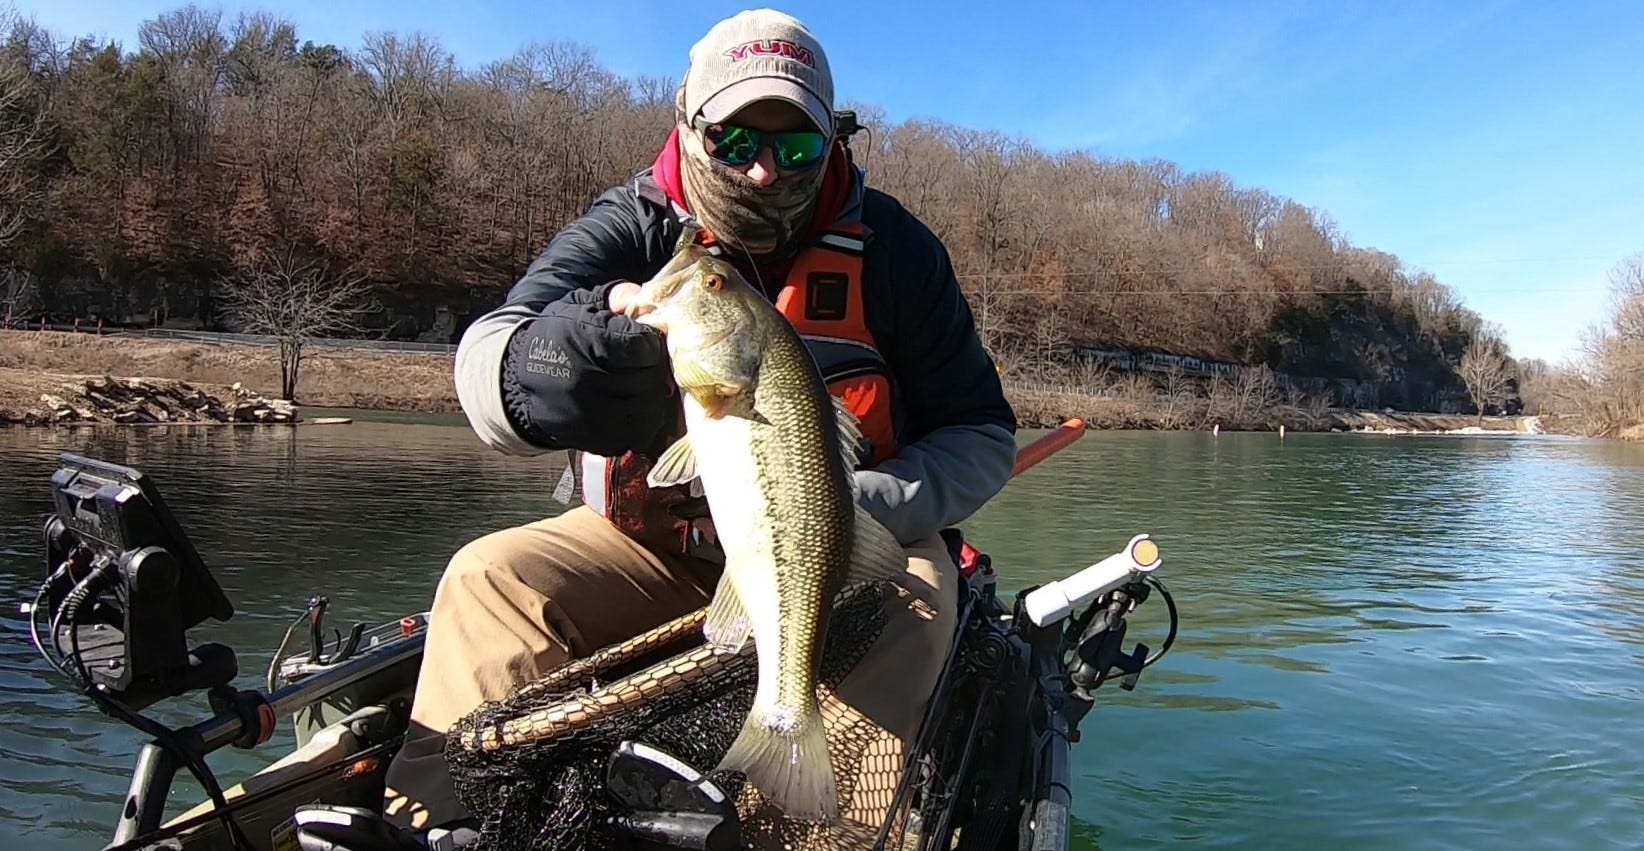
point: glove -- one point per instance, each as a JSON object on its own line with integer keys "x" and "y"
{"x": 582, "y": 377}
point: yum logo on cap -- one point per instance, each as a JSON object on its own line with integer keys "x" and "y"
{"x": 772, "y": 47}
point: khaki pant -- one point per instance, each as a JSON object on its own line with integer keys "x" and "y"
{"x": 522, "y": 601}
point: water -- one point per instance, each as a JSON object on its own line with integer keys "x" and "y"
{"x": 1413, "y": 643}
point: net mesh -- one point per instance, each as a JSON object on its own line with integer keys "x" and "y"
{"x": 532, "y": 765}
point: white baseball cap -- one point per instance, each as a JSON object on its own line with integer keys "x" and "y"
{"x": 760, "y": 53}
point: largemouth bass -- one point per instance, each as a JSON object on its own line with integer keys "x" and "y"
{"x": 774, "y": 452}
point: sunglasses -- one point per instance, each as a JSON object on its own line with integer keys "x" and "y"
{"x": 735, "y": 145}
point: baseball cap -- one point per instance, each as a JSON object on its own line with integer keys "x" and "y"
{"x": 760, "y": 53}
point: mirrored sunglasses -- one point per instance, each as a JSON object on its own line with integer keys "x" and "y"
{"x": 735, "y": 145}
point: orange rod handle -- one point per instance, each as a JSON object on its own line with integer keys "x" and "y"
{"x": 1048, "y": 445}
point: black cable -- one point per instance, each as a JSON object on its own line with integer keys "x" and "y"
{"x": 34, "y": 627}
{"x": 1170, "y": 605}
{"x": 163, "y": 736}
{"x": 169, "y": 740}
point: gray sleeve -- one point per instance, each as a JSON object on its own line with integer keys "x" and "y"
{"x": 478, "y": 378}
{"x": 606, "y": 243}
{"x": 938, "y": 481}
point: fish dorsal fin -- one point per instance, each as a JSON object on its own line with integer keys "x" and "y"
{"x": 875, "y": 553}
{"x": 676, "y": 465}
{"x": 727, "y": 626}
{"x": 850, "y": 432}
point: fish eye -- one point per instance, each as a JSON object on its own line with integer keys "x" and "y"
{"x": 714, "y": 283}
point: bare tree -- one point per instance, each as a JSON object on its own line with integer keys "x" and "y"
{"x": 1627, "y": 298}
{"x": 22, "y": 142}
{"x": 1049, "y": 343}
{"x": 18, "y": 296}
{"x": 1254, "y": 392}
{"x": 1177, "y": 401}
{"x": 295, "y": 302}
{"x": 1604, "y": 387}
{"x": 1014, "y": 363}
{"x": 1485, "y": 373}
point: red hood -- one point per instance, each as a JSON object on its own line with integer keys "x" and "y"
{"x": 835, "y": 192}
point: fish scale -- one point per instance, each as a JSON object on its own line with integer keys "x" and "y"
{"x": 815, "y": 544}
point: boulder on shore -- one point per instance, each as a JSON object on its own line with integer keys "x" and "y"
{"x": 144, "y": 401}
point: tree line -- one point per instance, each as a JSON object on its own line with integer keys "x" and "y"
{"x": 149, "y": 184}
{"x": 1600, "y": 390}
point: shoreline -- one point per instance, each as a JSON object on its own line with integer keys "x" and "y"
{"x": 58, "y": 365}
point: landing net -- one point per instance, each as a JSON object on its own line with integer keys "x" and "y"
{"x": 532, "y": 765}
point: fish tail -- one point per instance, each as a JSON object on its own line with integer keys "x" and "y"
{"x": 784, "y": 754}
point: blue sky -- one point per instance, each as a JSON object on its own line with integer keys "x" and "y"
{"x": 1497, "y": 145}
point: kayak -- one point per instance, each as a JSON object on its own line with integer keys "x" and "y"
{"x": 991, "y": 763}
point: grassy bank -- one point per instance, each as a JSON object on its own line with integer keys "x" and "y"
{"x": 34, "y": 363}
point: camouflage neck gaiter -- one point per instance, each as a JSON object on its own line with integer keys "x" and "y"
{"x": 765, "y": 222}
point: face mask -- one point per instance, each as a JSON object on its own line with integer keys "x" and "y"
{"x": 765, "y": 222}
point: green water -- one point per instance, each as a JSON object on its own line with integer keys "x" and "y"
{"x": 1411, "y": 643}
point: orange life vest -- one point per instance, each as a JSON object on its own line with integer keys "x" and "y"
{"x": 822, "y": 298}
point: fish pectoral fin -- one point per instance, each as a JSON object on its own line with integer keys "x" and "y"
{"x": 850, "y": 433}
{"x": 875, "y": 553}
{"x": 676, "y": 465}
{"x": 717, "y": 401}
{"x": 713, "y": 393}
{"x": 727, "y": 626}
{"x": 690, "y": 374}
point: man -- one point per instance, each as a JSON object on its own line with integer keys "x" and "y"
{"x": 756, "y": 161}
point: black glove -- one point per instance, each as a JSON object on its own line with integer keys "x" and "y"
{"x": 582, "y": 377}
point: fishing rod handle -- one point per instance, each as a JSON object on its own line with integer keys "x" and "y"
{"x": 1046, "y": 445}
{"x": 1054, "y": 601}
